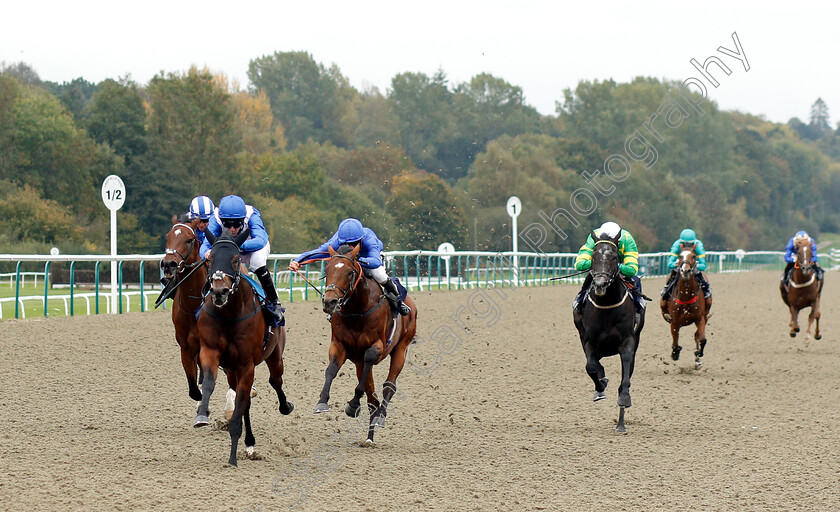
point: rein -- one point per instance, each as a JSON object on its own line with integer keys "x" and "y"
{"x": 345, "y": 294}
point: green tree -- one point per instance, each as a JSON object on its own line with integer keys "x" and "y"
{"x": 426, "y": 211}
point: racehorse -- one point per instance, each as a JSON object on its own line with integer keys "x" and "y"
{"x": 606, "y": 323}
{"x": 234, "y": 334}
{"x": 804, "y": 291}
{"x": 186, "y": 273}
{"x": 361, "y": 322}
{"x": 687, "y": 305}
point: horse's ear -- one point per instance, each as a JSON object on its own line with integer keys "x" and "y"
{"x": 174, "y": 219}
{"x": 242, "y": 236}
{"x": 355, "y": 252}
{"x": 593, "y": 235}
{"x": 616, "y": 238}
{"x": 210, "y": 236}
{"x": 331, "y": 251}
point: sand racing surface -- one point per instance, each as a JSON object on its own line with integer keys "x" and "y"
{"x": 94, "y": 415}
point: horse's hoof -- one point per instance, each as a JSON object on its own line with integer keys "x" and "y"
{"x": 796, "y": 329}
{"x": 322, "y": 407}
{"x": 675, "y": 353}
{"x": 792, "y": 334}
{"x": 698, "y": 363}
{"x": 287, "y": 410}
{"x": 195, "y": 394}
{"x": 599, "y": 395}
{"x": 232, "y": 463}
{"x": 253, "y": 392}
{"x": 201, "y": 421}
{"x": 249, "y": 451}
{"x": 351, "y": 411}
{"x": 369, "y": 442}
{"x": 624, "y": 400}
{"x": 667, "y": 317}
{"x": 378, "y": 421}
{"x": 818, "y": 336}
{"x": 620, "y": 429}
{"x": 605, "y": 381}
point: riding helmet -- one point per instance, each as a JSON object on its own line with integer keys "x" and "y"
{"x": 350, "y": 230}
{"x": 201, "y": 208}
{"x": 232, "y": 207}
{"x": 688, "y": 236}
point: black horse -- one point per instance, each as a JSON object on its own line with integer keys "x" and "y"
{"x": 607, "y": 322}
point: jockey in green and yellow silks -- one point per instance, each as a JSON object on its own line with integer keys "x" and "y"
{"x": 628, "y": 254}
{"x": 687, "y": 240}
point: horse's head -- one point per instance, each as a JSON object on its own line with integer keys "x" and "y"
{"x": 604, "y": 262}
{"x": 225, "y": 257}
{"x": 181, "y": 248}
{"x": 687, "y": 262}
{"x": 342, "y": 274}
{"x": 804, "y": 255}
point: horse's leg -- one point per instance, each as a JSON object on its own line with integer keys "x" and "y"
{"x": 372, "y": 401}
{"x": 675, "y": 335}
{"x": 596, "y": 373}
{"x": 274, "y": 362}
{"x": 338, "y": 354}
{"x": 627, "y": 351}
{"x": 663, "y": 305}
{"x": 390, "y": 387}
{"x": 371, "y": 357}
{"x": 794, "y": 321}
{"x": 699, "y": 338}
{"x": 191, "y": 370}
{"x": 815, "y": 311}
{"x": 243, "y": 403}
{"x": 210, "y": 365}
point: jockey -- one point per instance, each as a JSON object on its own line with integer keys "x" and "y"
{"x": 790, "y": 255}
{"x": 351, "y": 232}
{"x": 628, "y": 254}
{"x": 201, "y": 207}
{"x": 688, "y": 238}
{"x": 233, "y": 215}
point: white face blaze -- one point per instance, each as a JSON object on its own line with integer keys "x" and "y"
{"x": 685, "y": 266}
{"x": 339, "y": 265}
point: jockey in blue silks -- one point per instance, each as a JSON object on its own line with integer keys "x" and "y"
{"x": 201, "y": 207}
{"x": 351, "y": 232}
{"x": 790, "y": 255}
{"x": 687, "y": 239}
{"x": 233, "y": 215}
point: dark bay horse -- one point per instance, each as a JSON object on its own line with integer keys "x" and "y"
{"x": 186, "y": 272}
{"x": 606, "y": 323}
{"x": 687, "y": 305}
{"x": 361, "y": 322}
{"x": 804, "y": 291}
{"x": 233, "y": 333}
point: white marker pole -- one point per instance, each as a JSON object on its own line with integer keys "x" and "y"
{"x": 113, "y": 195}
{"x": 514, "y": 208}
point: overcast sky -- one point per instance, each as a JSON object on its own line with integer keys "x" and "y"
{"x": 543, "y": 47}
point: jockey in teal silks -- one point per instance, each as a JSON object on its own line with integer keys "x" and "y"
{"x": 790, "y": 256}
{"x": 233, "y": 215}
{"x": 688, "y": 238}
{"x": 351, "y": 232}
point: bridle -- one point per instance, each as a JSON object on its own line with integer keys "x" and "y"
{"x": 609, "y": 275}
{"x": 221, "y": 274}
{"x": 183, "y": 265}
{"x": 355, "y": 277}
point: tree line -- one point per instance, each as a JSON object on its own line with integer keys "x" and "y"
{"x": 422, "y": 163}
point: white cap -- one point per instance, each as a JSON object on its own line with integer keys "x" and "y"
{"x": 611, "y": 229}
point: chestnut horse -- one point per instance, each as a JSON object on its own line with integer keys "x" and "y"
{"x": 186, "y": 272}
{"x": 361, "y": 323}
{"x": 606, "y": 323}
{"x": 233, "y": 333}
{"x": 687, "y": 305}
{"x": 804, "y": 291}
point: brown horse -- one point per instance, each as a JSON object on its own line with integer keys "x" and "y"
{"x": 233, "y": 333}
{"x": 687, "y": 305}
{"x": 186, "y": 272}
{"x": 361, "y": 322}
{"x": 804, "y": 291}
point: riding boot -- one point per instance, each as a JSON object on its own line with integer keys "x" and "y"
{"x": 393, "y": 296}
{"x": 786, "y": 274}
{"x": 672, "y": 279}
{"x": 704, "y": 285}
{"x": 577, "y": 304}
{"x": 273, "y": 314}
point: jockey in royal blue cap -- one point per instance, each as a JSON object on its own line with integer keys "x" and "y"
{"x": 688, "y": 238}
{"x": 790, "y": 255}
{"x": 201, "y": 207}
{"x": 351, "y": 232}
{"x": 233, "y": 215}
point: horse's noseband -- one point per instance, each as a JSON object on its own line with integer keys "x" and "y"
{"x": 355, "y": 276}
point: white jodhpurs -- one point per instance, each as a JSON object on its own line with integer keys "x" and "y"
{"x": 379, "y": 274}
{"x": 257, "y": 259}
